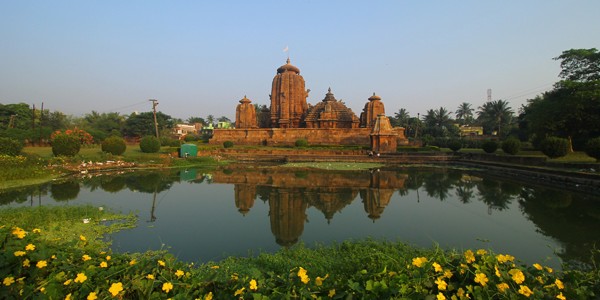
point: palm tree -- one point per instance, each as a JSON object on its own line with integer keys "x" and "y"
{"x": 464, "y": 113}
{"x": 438, "y": 122}
{"x": 401, "y": 118}
{"x": 495, "y": 114}
{"x": 210, "y": 119}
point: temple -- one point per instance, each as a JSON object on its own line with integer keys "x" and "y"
{"x": 329, "y": 122}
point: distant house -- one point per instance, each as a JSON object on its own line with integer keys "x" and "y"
{"x": 466, "y": 130}
{"x": 181, "y": 130}
{"x": 224, "y": 125}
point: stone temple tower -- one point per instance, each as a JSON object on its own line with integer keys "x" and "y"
{"x": 288, "y": 98}
{"x": 372, "y": 109}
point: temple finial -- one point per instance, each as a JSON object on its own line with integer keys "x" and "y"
{"x": 329, "y": 90}
{"x": 288, "y": 60}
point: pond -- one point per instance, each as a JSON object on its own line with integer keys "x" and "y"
{"x": 201, "y": 215}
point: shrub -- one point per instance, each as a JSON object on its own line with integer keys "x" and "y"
{"x": 114, "y": 145}
{"x": 555, "y": 147}
{"x": 149, "y": 144}
{"x": 489, "y": 146}
{"x": 171, "y": 142}
{"x": 10, "y": 146}
{"x": 511, "y": 146}
{"x": 228, "y": 144}
{"x": 65, "y": 145}
{"x": 81, "y": 135}
{"x": 592, "y": 148}
{"x": 454, "y": 145}
{"x": 301, "y": 143}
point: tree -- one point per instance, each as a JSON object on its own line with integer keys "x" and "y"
{"x": 495, "y": 116}
{"x": 193, "y": 120}
{"x": 572, "y": 109}
{"x": 138, "y": 125}
{"x": 263, "y": 115}
{"x": 210, "y": 119}
{"x": 438, "y": 123}
{"x": 224, "y": 119}
{"x": 103, "y": 125}
{"x": 400, "y": 118}
{"x": 464, "y": 114}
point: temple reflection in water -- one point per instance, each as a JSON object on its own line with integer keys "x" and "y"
{"x": 290, "y": 196}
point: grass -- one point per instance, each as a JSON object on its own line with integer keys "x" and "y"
{"x": 334, "y": 165}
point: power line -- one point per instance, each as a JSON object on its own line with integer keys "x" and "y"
{"x": 126, "y": 106}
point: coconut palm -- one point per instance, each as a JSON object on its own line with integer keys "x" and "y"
{"x": 464, "y": 113}
{"x": 494, "y": 115}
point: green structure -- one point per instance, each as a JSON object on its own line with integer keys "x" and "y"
{"x": 188, "y": 150}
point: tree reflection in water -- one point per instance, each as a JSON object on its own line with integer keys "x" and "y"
{"x": 571, "y": 219}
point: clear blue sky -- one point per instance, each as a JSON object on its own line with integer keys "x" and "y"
{"x": 201, "y": 57}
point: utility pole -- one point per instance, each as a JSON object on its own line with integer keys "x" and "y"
{"x": 41, "y": 124}
{"x": 154, "y": 104}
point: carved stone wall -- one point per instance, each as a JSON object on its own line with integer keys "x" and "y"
{"x": 331, "y": 113}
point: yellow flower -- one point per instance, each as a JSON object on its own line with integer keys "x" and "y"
{"x": 86, "y": 257}
{"x": 8, "y": 281}
{"x": 167, "y": 286}
{"x": 481, "y": 252}
{"x": 441, "y": 284}
{"x": 108, "y": 257}
{"x": 239, "y": 292}
{"x": 208, "y": 296}
{"x": 53, "y": 256}
{"x": 214, "y": 267}
{"x": 497, "y": 272}
{"x": 502, "y": 287}
{"x": 179, "y": 273}
{"x": 19, "y": 232}
{"x": 437, "y": 267}
{"x": 481, "y": 279}
{"x": 525, "y": 291}
{"x": 132, "y": 262}
{"x": 234, "y": 276}
{"x": 20, "y": 253}
{"x": 517, "y": 275}
{"x": 448, "y": 274}
{"x": 504, "y": 258}
{"x": 81, "y": 237}
{"x": 80, "y": 277}
{"x": 460, "y": 293}
{"x": 30, "y": 247}
{"x": 419, "y": 261}
{"x": 559, "y": 284}
{"x": 68, "y": 282}
{"x": 469, "y": 256}
{"x": 26, "y": 263}
{"x": 41, "y": 264}
{"x": 115, "y": 288}
{"x": 441, "y": 296}
{"x": 68, "y": 297}
{"x": 103, "y": 264}
{"x": 36, "y": 230}
{"x": 561, "y": 297}
{"x": 331, "y": 293}
{"x": 549, "y": 269}
{"x": 253, "y": 285}
{"x": 302, "y": 274}
{"x": 319, "y": 280}
{"x": 537, "y": 266}
{"x": 92, "y": 296}
{"x": 161, "y": 263}
{"x": 150, "y": 276}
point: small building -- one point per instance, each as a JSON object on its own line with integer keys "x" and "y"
{"x": 181, "y": 130}
{"x": 466, "y": 130}
{"x": 188, "y": 150}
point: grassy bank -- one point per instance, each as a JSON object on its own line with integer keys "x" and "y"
{"x": 51, "y": 253}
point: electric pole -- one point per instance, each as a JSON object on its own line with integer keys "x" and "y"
{"x": 154, "y": 104}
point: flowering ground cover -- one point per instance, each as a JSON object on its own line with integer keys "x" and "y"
{"x": 59, "y": 253}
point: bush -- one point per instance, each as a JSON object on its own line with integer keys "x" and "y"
{"x": 149, "y": 144}
{"x": 114, "y": 145}
{"x": 454, "y": 145}
{"x": 592, "y": 148}
{"x": 10, "y": 146}
{"x": 489, "y": 146}
{"x": 171, "y": 142}
{"x": 65, "y": 145}
{"x": 301, "y": 143}
{"x": 511, "y": 146}
{"x": 555, "y": 147}
{"x": 228, "y": 144}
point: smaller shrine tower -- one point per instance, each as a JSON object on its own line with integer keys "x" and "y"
{"x": 372, "y": 109}
{"x": 245, "y": 114}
